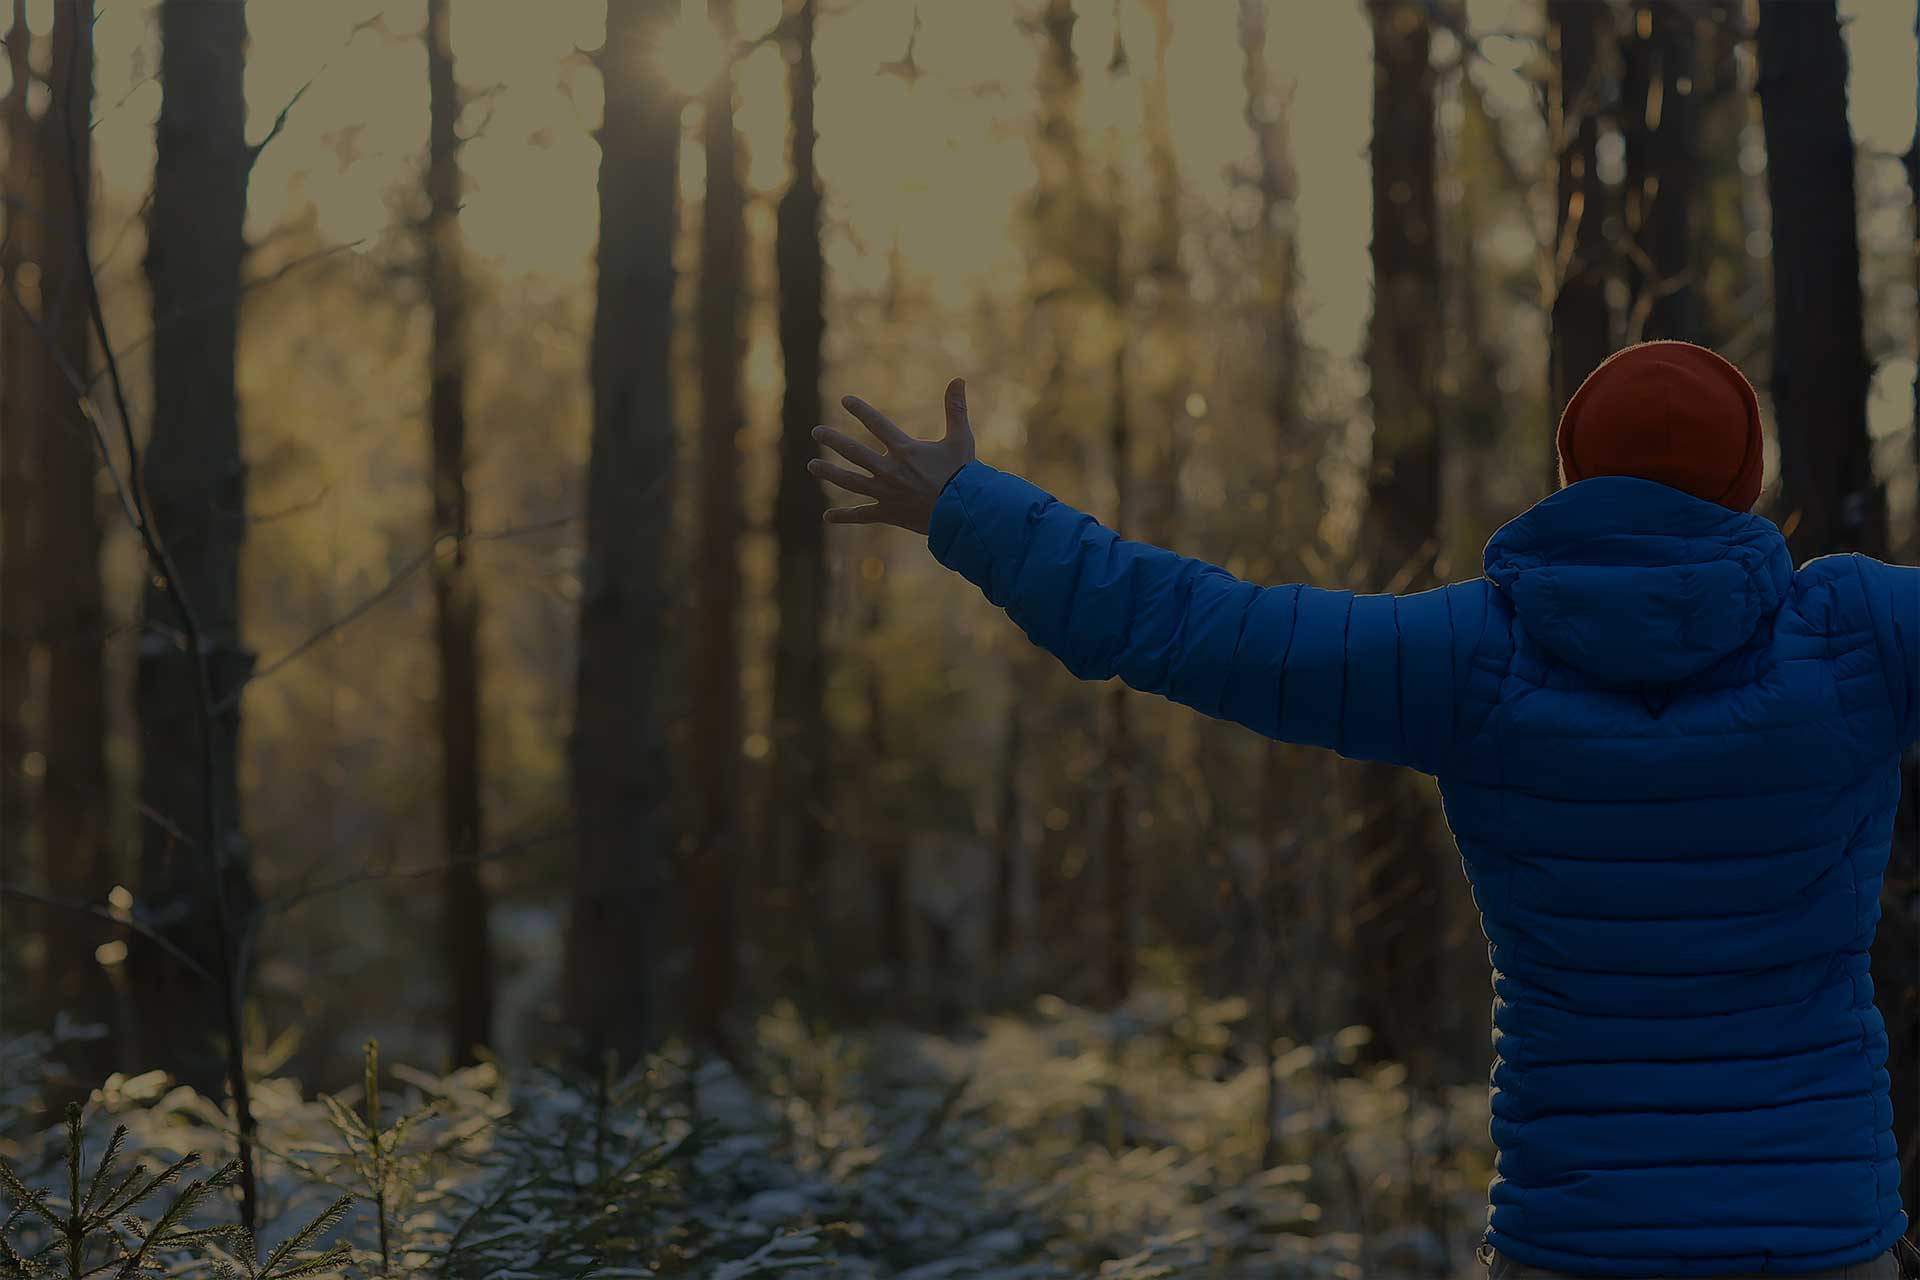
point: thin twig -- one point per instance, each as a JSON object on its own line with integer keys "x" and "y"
{"x": 392, "y": 584}
{"x": 410, "y": 567}
{"x": 279, "y": 122}
{"x": 245, "y": 287}
{"x": 88, "y": 410}
{"x": 187, "y": 962}
{"x": 508, "y": 850}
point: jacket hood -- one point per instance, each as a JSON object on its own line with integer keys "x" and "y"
{"x": 1637, "y": 583}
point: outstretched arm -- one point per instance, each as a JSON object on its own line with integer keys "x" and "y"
{"x": 1370, "y": 676}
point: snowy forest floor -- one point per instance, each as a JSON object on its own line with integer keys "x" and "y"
{"x": 1060, "y": 1143}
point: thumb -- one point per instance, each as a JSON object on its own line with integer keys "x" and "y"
{"x": 958, "y": 428}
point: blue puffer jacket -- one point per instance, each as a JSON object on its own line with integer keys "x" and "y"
{"x": 1670, "y": 762}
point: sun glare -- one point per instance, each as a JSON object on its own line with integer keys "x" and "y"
{"x": 689, "y": 55}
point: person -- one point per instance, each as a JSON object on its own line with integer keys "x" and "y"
{"x": 1670, "y": 761}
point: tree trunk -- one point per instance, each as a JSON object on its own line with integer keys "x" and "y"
{"x": 621, "y": 783}
{"x": 1120, "y": 762}
{"x": 1829, "y": 500}
{"x": 1053, "y": 235}
{"x": 1661, "y": 124}
{"x": 1581, "y": 334}
{"x": 1900, "y": 925}
{"x": 802, "y": 743}
{"x": 1291, "y": 488}
{"x": 195, "y": 482}
{"x": 465, "y": 949}
{"x": 1009, "y": 826}
{"x": 1170, "y": 327}
{"x": 72, "y": 615}
{"x": 714, "y": 869}
{"x": 885, "y": 843}
{"x": 21, "y": 433}
{"x": 1063, "y": 269}
{"x": 1733, "y": 283}
{"x": 1398, "y": 869}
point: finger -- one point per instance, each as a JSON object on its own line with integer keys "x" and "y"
{"x": 958, "y": 427}
{"x": 845, "y": 477}
{"x": 875, "y": 421}
{"x": 849, "y": 448}
{"x": 869, "y": 514}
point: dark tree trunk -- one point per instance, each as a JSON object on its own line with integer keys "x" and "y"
{"x": 466, "y": 951}
{"x": 1398, "y": 867}
{"x": 1733, "y": 284}
{"x": 1120, "y": 756}
{"x": 1661, "y": 123}
{"x": 885, "y": 830}
{"x": 1582, "y": 330}
{"x": 1896, "y": 959}
{"x": 1829, "y": 500}
{"x": 195, "y": 484}
{"x": 802, "y": 744}
{"x": 20, "y": 436}
{"x": 1065, "y": 262}
{"x": 1169, "y": 328}
{"x": 1053, "y": 238}
{"x": 885, "y": 851}
{"x": 1282, "y": 769}
{"x": 715, "y": 867}
{"x": 72, "y": 616}
{"x": 621, "y": 782}
{"x": 1009, "y": 826}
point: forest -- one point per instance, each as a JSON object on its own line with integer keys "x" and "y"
{"x": 463, "y": 812}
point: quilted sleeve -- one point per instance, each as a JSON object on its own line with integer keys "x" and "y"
{"x": 1370, "y": 676}
{"x": 1893, "y": 596}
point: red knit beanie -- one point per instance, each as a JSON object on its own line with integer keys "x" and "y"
{"x": 1667, "y": 411}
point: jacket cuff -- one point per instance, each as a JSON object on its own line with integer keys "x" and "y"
{"x": 950, "y": 533}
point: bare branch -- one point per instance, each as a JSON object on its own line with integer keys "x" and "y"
{"x": 279, "y": 123}
{"x": 508, "y": 850}
{"x": 88, "y": 409}
{"x": 273, "y": 277}
{"x": 167, "y": 825}
{"x": 187, "y": 962}
{"x": 411, "y": 566}
{"x": 298, "y": 508}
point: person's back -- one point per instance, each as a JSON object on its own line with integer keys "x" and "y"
{"x": 1674, "y": 796}
{"x": 1671, "y": 764}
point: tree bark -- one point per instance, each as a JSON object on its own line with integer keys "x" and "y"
{"x": 621, "y": 783}
{"x": 1399, "y": 868}
{"x": 1829, "y": 500}
{"x": 886, "y": 853}
{"x": 1064, "y": 264}
{"x": 1662, "y": 132}
{"x": 72, "y": 612}
{"x": 802, "y": 742}
{"x": 195, "y": 482}
{"x": 20, "y": 436}
{"x": 1120, "y": 755}
{"x": 1902, "y": 926}
{"x": 715, "y": 865}
{"x": 466, "y": 951}
{"x": 1285, "y": 772}
{"x": 1169, "y": 327}
{"x": 1582, "y": 327}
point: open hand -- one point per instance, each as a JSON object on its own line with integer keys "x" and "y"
{"x": 904, "y": 481}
